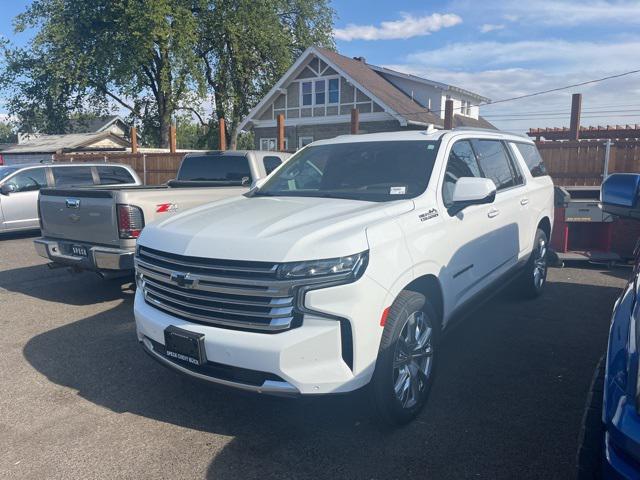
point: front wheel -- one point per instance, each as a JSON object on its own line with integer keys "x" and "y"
{"x": 534, "y": 276}
{"x": 406, "y": 360}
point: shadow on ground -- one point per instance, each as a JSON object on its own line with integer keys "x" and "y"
{"x": 61, "y": 286}
{"x": 507, "y": 401}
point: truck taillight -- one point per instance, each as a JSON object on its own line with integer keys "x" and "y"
{"x": 130, "y": 221}
{"x": 1, "y": 159}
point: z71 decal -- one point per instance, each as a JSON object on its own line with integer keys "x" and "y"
{"x": 166, "y": 207}
{"x": 433, "y": 213}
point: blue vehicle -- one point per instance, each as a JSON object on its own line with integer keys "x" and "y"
{"x": 620, "y": 438}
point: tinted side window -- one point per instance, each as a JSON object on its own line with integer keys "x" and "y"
{"x": 462, "y": 163}
{"x": 494, "y": 162}
{"x": 212, "y": 168}
{"x": 271, "y": 163}
{"x": 114, "y": 175}
{"x": 532, "y": 158}
{"x": 67, "y": 176}
{"x": 30, "y": 180}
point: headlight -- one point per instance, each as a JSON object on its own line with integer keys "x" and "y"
{"x": 353, "y": 266}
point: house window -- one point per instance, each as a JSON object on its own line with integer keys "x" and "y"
{"x": 304, "y": 141}
{"x": 334, "y": 90}
{"x": 468, "y": 111}
{"x": 307, "y": 95}
{"x": 320, "y": 94}
{"x": 271, "y": 144}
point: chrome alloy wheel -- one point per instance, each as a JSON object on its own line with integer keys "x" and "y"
{"x": 540, "y": 264}
{"x": 413, "y": 359}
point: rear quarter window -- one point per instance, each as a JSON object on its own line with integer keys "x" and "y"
{"x": 72, "y": 176}
{"x": 271, "y": 163}
{"x": 532, "y": 158}
{"x": 114, "y": 175}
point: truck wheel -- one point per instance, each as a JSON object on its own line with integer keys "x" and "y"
{"x": 534, "y": 276}
{"x": 406, "y": 359}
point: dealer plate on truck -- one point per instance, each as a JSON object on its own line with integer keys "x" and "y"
{"x": 184, "y": 345}
{"x": 79, "y": 250}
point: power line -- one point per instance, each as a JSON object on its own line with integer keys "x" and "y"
{"x": 534, "y": 94}
{"x": 565, "y": 113}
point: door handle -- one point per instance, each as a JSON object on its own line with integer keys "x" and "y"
{"x": 494, "y": 212}
{"x": 524, "y": 201}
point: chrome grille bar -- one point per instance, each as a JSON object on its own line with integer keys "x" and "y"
{"x": 224, "y": 293}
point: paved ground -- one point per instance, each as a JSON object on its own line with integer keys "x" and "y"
{"x": 79, "y": 399}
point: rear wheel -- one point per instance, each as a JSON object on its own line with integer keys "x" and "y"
{"x": 534, "y": 276}
{"x": 406, "y": 360}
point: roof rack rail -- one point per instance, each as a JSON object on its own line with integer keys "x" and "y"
{"x": 489, "y": 130}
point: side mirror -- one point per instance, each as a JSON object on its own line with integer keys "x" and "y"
{"x": 620, "y": 195}
{"x": 258, "y": 182}
{"x": 472, "y": 191}
{"x": 8, "y": 188}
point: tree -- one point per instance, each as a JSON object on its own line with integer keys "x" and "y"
{"x": 246, "y": 45}
{"x": 90, "y": 53}
{"x": 7, "y": 133}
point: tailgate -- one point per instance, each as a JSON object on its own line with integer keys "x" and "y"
{"x": 80, "y": 215}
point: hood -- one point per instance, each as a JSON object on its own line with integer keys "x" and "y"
{"x": 274, "y": 229}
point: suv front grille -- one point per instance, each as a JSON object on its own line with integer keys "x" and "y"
{"x": 227, "y": 293}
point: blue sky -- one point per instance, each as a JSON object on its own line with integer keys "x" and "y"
{"x": 499, "y": 49}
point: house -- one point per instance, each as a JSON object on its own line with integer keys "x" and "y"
{"x": 41, "y": 148}
{"x": 316, "y": 96}
{"x": 109, "y": 123}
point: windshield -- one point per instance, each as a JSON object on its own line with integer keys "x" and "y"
{"x": 374, "y": 171}
{"x": 6, "y": 171}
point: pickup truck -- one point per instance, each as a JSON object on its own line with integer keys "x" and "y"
{"x": 96, "y": 229}
{"x": 342, "y": 268}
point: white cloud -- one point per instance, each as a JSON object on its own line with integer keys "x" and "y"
{"x": 504, "y": 70}
{"x": 490, "y": 27}
{"x": 553, "y": 54}
{"x": 510, "y": 17}
{"x": 409, "y": 26}
{"x": 574, "y": 12}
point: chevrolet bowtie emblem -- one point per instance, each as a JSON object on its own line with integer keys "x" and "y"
{"x": 183, "y": 280}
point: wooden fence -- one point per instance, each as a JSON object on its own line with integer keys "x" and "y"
{"x": 152, "y": 168}
{"x": 570, "y": 163}
{"x": 582, "y": 162}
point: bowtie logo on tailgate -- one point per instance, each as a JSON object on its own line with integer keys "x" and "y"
{"x": 166, "y": 207}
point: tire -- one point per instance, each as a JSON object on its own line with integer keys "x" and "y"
{"x": 534, "y": 275}
{"x": 409, "y": 309}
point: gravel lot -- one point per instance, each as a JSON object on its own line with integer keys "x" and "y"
{"x": 81, "y": 400}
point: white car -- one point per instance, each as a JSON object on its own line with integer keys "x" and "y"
{"x": 343, "y": 267}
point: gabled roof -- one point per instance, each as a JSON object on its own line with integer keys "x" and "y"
{"x": 70, "y": 141}
{"x": 95, "y": 124}
{"x": 369, "y": 80}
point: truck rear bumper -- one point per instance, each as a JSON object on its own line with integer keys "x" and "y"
{"x": 98, "y": 258}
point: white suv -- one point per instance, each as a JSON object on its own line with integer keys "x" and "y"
{"x": 343, "y": 267}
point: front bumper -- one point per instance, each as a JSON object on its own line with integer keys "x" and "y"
{"x": 98, "y": 259}
{"x": 305, "y": 360}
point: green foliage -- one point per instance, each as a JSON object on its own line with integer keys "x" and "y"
{"x": 7, "y": 133}
{"x": 155, "y": 59}
{"x": 246, "y": 141}
{"x": 246, "y": 45}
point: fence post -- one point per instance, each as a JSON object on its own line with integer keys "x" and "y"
{"x": 355, "y": 121}
{"x": 607, "y": 154}
{"x": 448, "y": 114}
{"x": 172, "y": 138}
{"x": 576, "y": 107}
{"x": 281, "y": 132}
{"x": 134, "y": 140}
{"x": 144, "y": 168}
{"x": 222, "y": 134}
